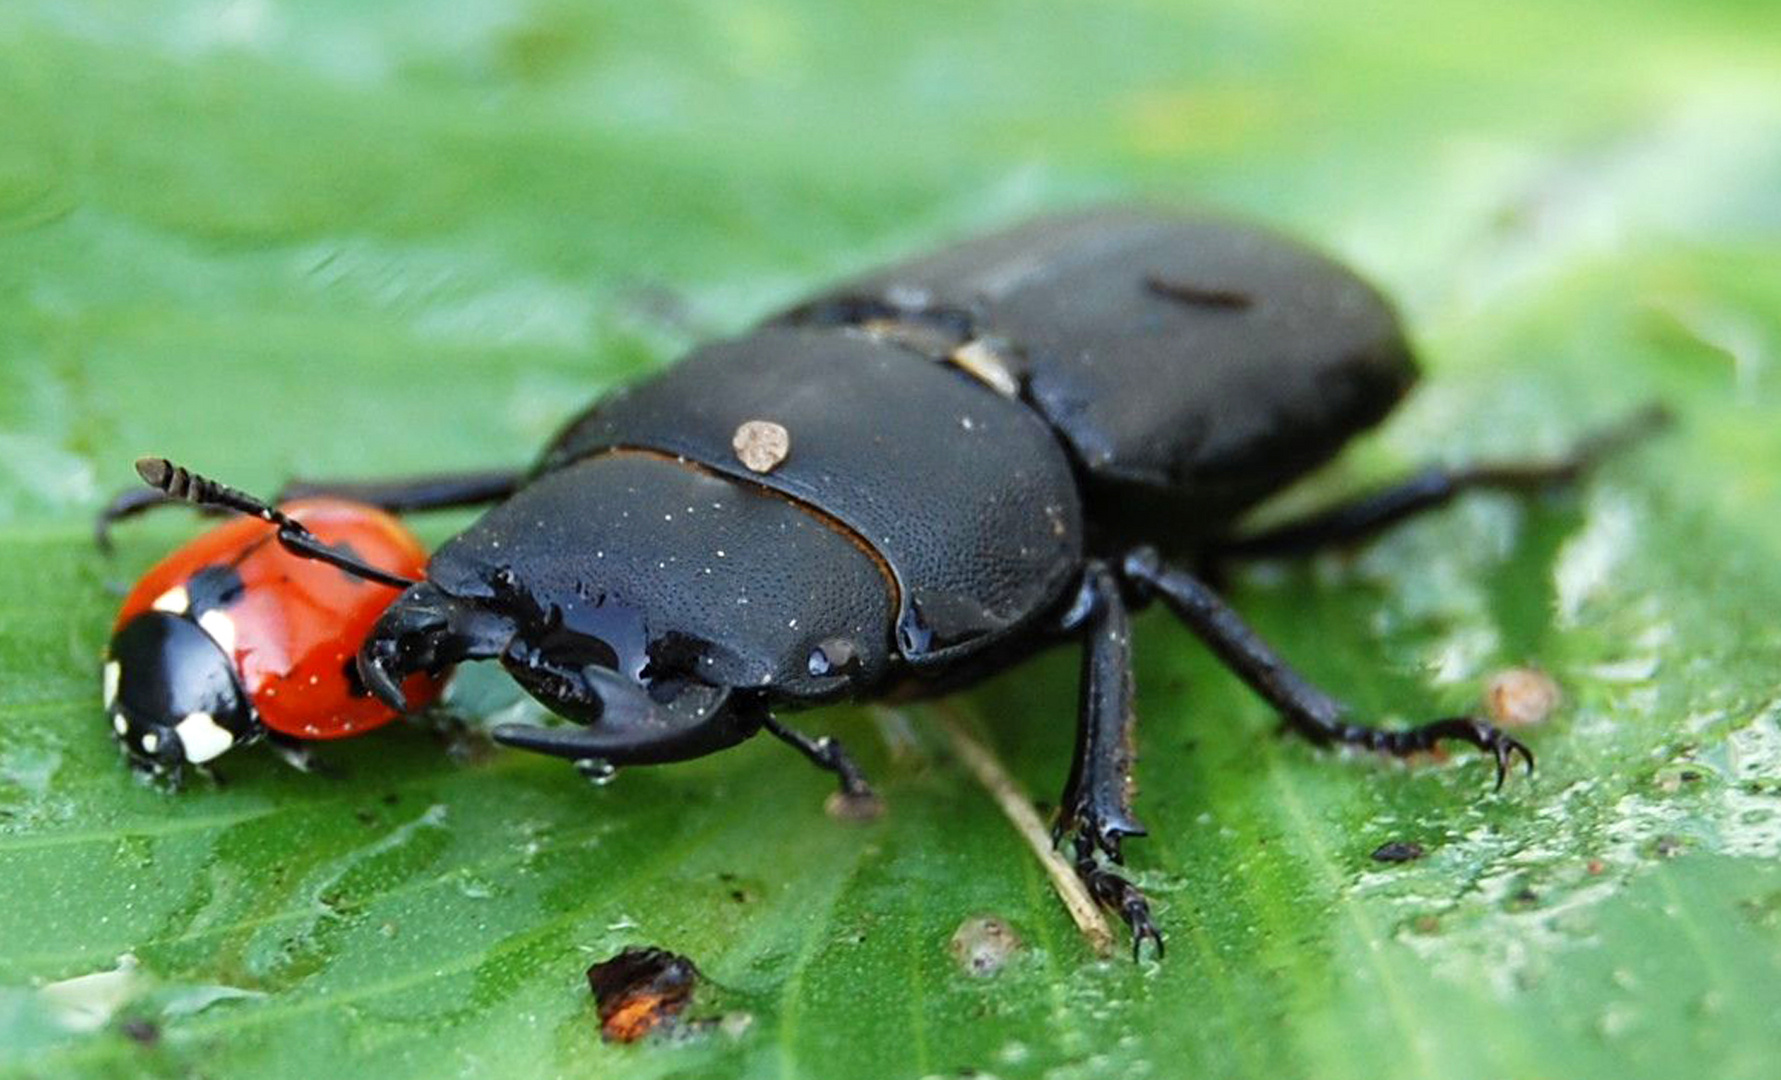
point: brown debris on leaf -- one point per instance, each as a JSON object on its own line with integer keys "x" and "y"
{"x": 641, "y": 990}
{"x": 984, "y": 945}
{"x": 1398, "y": 851}
{"x": 1520, "y": 697}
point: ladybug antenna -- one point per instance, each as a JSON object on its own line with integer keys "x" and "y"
{"x": 180, "y": 483}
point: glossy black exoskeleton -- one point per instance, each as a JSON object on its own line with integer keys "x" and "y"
{"x": 968, "y": 458}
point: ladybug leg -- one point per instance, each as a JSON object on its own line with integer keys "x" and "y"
{"x": 301, "y": 756}
{"x": 1310, "y": 711}
{"x": 1370, "y": 514}
{"x": 1096, "y": 810}
{"x": 167, "y": 776}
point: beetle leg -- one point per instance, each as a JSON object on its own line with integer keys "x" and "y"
{"x": 128, "y": 503}
{"x": 1310, "y": 711}
{"x": 1370, "y": 514}
{"x": 1096, "y": 810}
{"x": 827, "y": 753}
{"x": 405, "y": 495}
{"x": 1097, "y": 800}
{"x": 1114, "y": 891}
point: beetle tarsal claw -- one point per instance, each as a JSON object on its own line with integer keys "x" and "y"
{"x": 1117, "y": 894}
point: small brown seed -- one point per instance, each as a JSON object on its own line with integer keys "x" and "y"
{"x": 1520, "y": 697}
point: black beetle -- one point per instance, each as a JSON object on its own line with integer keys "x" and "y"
{"x": 918, "y": 479}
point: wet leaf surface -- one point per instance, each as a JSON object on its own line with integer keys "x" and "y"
{"x": 317, "y": 240}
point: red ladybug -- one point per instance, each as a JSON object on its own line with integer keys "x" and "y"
{"x": 233, "y": 638}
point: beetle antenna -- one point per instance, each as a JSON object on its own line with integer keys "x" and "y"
{"x": 180, "y": 483}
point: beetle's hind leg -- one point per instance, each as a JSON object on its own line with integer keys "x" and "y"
{"x": 1370, "y": 514}
{"x": 1309, "y": 710}
{"x": 1096, "y": 810}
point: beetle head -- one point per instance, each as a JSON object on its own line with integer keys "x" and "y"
{"x": 637, "y": 705}
{"x": 661, "y": 607}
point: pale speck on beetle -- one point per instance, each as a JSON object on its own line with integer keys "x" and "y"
{"x": 761, "y": 445}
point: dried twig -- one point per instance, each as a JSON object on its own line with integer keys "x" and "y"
{"x": 1018, "y": 807}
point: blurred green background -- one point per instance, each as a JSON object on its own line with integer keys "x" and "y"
{"x": 338, "y": 239}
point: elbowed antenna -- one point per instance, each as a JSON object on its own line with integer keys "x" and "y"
{"x": 180, "y": 483}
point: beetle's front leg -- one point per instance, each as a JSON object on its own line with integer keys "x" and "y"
{"x": 856, "y": 795}
{"x": 1310, "y": 711}
{"x": 1096, "y": 811}
{"x": 440, "y": 491}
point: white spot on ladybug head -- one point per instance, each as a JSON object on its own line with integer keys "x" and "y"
{"x": 221, "y": 629}
{"x": 151, "y": 743}
{"x": 174, "y": 601}
{"x": 120, "y": 725}
{"x": 202, "y": 737}
{"x": 113, "y": 672}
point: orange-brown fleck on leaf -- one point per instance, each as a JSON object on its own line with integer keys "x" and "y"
{"x": 640, "y": 990}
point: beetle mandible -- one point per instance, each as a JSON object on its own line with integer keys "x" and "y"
{"x": 957, "y": 462}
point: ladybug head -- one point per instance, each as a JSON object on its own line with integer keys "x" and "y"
{"x": 172, "y": 693}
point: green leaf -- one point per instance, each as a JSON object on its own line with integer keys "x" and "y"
{"x": 275, "y": 240}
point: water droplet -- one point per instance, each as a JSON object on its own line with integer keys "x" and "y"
{"x": 833, "y": 656}
{"x": 597, "y": 771}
